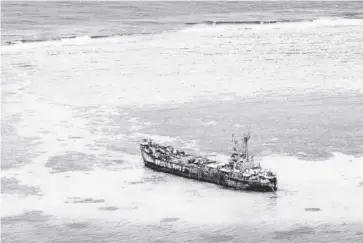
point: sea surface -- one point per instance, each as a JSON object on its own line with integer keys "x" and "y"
{"x": 83, "y": 82}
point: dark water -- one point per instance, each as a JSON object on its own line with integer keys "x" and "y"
{"x": 84, "y": 82}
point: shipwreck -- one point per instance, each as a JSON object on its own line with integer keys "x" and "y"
{"x": 240, "y": 172}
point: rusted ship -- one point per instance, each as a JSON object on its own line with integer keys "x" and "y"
{"x": 240, "y": 172}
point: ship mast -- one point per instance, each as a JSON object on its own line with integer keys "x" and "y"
{"x": 234, "y": 144}
{"x": 246, "y": 137}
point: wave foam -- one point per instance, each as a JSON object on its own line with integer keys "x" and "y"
{"x": 192, "y": 25}
{"x": 273, "y": 24}
{"x": 322, "y": 21}
{"x": 68, "y": 39}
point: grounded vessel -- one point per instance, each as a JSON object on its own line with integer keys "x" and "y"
{"x": 240, "y": 172}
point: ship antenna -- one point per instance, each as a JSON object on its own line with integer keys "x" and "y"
{"x": 246, "y": 137}
{"x": 234, "y": 144}
{"x": 242, "y": 148}
{"x": 232, "y": 141}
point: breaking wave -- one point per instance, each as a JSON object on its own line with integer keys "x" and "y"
{"x": 237, "y": 22}
{"x": 52, "y": 39}
{"x": 319, "y": 21}
{"x": 65, "y": 39}
{"x": 346, "y": 21}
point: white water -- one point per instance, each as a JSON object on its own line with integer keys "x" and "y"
{"x": 186, "y": 65}
{"x": 70, "y": 95}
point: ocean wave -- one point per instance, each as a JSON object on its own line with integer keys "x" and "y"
{"x": 243, "y": 22}
{"x": 322, "y": 21}
{"x": 346, "y": 21}
{"x": 67, "y": 38}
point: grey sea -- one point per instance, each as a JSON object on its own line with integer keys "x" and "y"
{"x": 83, "y": 82}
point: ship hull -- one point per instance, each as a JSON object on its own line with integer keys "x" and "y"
{"x": 198, "y": 174}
